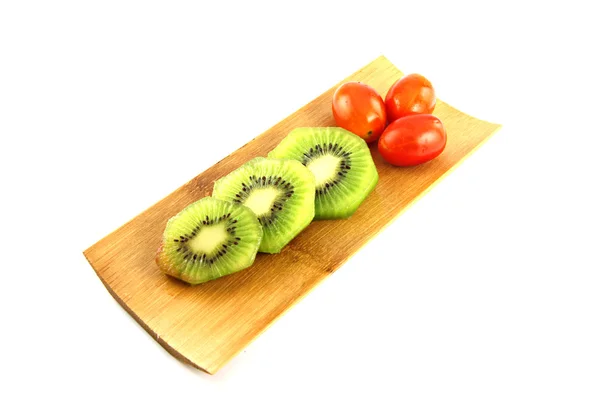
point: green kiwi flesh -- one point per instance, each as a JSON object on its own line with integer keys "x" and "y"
{"x": 344, "y": 170}
{"x": 280, "y": 192}
{"x": 209, "y": 239}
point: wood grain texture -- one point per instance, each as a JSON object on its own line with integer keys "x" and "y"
{"x": 206, "y": 325}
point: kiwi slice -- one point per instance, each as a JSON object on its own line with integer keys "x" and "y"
{"x": 344, "y": 170}
{"x": 280, "y": 192}
{"x": 209, "y": 239}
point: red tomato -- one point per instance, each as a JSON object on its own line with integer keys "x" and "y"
{"x": 412, "y": 140}
{"x": 412, "y": 94}
{"x": 359, "y": 109}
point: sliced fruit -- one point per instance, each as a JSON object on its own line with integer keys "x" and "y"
{"x": 341, "y": 162}
{"x": 209, "y": 239}
{"x": 280, "y": 192}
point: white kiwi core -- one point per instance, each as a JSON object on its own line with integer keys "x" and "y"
{"x": 324, "y": 168}
{"x": 208, "y": 239}
{"x": 261, "y": 200}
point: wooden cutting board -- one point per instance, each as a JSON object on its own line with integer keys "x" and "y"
{"x": 208, "y": 324}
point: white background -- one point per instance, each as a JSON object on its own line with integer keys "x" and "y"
{"x": 487, "y": 288}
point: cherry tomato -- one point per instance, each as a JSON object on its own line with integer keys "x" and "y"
{"x": 412, "y": 140}
{"x": 412, "y": 94}
{"x": 359, "y": 109}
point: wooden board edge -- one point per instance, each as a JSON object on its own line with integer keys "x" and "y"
{"x": 140, "y": 321}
